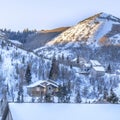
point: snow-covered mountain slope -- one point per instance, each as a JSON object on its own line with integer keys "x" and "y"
{"x": 17, "y": 43}
{"x": 70, "y": 58}
{"x": 91, "y": 38}
{"x": 13, "y": 65}
{"x": 92, "y": 31}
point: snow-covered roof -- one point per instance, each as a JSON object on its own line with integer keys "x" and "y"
{"x": 37, "y": 111}
{"x": 38, "y": 83}
{"x": 41, "y": 83}
{"x": 80, "y": 59}
{"x": 95, "y": 63}
{"x": 87, "y": 65}
{"x": 99, "y": 68}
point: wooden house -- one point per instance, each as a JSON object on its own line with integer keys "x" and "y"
{"x": 42, "y": 87}
{"x": 36, "y": 90}
{"x": 97, "y": 70}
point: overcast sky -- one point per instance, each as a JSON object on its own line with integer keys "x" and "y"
{"x": 48, "y": 14}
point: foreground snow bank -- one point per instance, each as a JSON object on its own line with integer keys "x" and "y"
{"x": 37, "y": 111}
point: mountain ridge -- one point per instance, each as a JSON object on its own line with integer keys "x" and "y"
{"x": 88, "y": 31}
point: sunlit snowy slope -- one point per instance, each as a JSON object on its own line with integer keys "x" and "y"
{"x": 90, "y": 31}
{"x": 99, "y": 30}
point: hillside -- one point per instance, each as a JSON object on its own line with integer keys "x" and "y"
{"x": 14, "y": 62}
{"x": 96, "y": 37}
{"x": 93, "y": 31}
{"x": 40, "y": 38}
{"x": 85, "y": 71}
{"x": 61, "y": 29}
{"x": 32, "y": 39}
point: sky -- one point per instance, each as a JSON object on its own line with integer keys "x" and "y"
{"x": 48, "y": 14}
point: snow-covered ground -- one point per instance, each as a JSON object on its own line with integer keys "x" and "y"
{"x": 16, "y": 42}
{"x": 91, "y": 31}
{"x": 37, "y": 111}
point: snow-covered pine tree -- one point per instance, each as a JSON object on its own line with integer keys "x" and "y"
{"x": 54, "y": 69}
{"x": 28, "y": 76}
{"x": 78, "y": 97}
{"x": 113, "y": 97}
{"x": 109, "y": 70}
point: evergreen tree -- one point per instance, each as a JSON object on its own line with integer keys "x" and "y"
{"x": 78, "y": 97}
{"x": 54, "y": 69}
{"x": 113, "y": 97}
{"x": 105, "y": 94}
{"x": 0, "y": 58}
{"x": 78, "y": 59}
{"x": 28, "y": 75}
{"x": 48, "y": 98}
{"x": 18, "y": 98}
{"x": 63, "y": 94}
{"x": 20, "y": 93}
{"x": 63, "y": 57}
{"x": 109, "y": 70}
{"x": 23, "y": 59}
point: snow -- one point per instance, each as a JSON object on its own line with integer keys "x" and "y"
{"x": 104, "y": 15}
{"x": 117, "y": 90}
{"x": 41, "y": 82}
{"x": 37, "y": 111}
{"x": 87, "y": 65}
{"x": 16, "y": 42}
{"x": 95, "y": 63}
{"x": 99, "y": 68}
{"x": 36, "y": 84}
{"x": 115, "y": 39}
{"x": 106, "y": 25}
{"x": 103, "y": 29}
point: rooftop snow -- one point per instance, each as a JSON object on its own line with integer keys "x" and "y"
{"x": 95, "y": 63}
{"x": 40, "y": 82}
{"x": 99, "y": 68}
{"x": 37, "y": 111}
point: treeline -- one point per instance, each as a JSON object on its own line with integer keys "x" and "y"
{"x": 20, "y": 36}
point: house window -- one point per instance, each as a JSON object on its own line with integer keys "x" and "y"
{"x": 38, "y": 89}
{"x": 49, "y": 87}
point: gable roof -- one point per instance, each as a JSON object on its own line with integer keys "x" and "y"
{"x": 99, "y": 68}
{"x": 36, "y": 84}
{"x": 95, "y": 63}
{"x": 41, "y": 83}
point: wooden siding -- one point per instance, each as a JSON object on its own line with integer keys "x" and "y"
{"x": 38, "y": 91}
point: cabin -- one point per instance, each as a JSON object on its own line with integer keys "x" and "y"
{"x": 42, "y": 87}
{"x": 97, "y": 70}
{"x": 95, "y": 63}
{"x": 35, "y": 90}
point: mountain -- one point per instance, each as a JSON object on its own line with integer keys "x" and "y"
{"x": 97, "y": 37}
{"x": 61, "y": 29}
{"x": 100, "y": 29}
{"x": 32, "y": 39}
{"x": 14, "y": 61}
{"x": 65, "y": 59}
{"x": 39, "y": 39}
